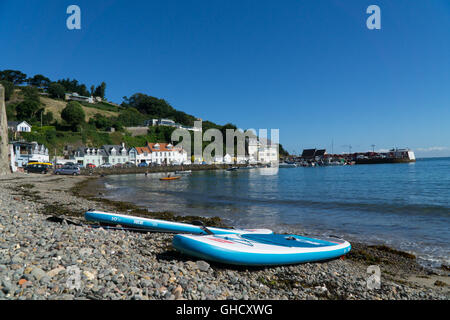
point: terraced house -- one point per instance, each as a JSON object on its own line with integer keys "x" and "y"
{"x": 96, "y": 156}
{"x": 159, "y": 153}
{"x": 152, "y": 153}
{"x": 113, "y": 154}
{"x": 116, "y": 154}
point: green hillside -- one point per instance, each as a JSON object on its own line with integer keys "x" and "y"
{"x": 58, "y": 123}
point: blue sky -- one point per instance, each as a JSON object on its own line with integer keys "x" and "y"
{"x": 309, "y": 68}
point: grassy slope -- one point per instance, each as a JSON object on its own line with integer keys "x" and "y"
{"x": 74, "y": 139}
{"x": 56, "y": 106}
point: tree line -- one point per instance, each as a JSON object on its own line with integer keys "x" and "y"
{"x": 56, "y": 89}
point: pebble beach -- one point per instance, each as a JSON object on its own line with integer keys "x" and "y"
{"x": 38, "y": 256}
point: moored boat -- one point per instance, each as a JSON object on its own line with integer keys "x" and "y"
{"x": 287, "y": 165}
{"x": 184, "y": 172}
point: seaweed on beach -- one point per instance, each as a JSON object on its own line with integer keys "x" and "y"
{"x": 363, "y": 256}
{"x": 379, "y": 254}
{"x": 58, "y": 209}
{"x": 25, "y": 190}
{"x": 394, "y": 263}
{"x": 28, "y": 186}
{"x": 393, "y": 251}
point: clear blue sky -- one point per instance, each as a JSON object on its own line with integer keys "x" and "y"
{"x": 309, "y": 68}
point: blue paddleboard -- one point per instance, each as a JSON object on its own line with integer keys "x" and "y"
{"x": 260, "y": 249}
{"x": 161, "y": 225}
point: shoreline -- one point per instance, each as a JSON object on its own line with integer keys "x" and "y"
{"x": 35, "y": 254}
{"x": 156, "y": 169}
{"x": 106, "y": 194}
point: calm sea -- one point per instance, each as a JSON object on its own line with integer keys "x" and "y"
{"x": 406, "y": 206}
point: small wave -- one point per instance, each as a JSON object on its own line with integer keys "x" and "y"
{"x": 110, "y": 186}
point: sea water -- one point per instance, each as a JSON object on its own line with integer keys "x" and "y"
{"x": 405, "y": 206}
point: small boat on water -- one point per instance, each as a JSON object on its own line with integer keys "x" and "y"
{"x": 184, "y": 172}
{"x": 287, "y": 165}
{"x": 169, "y": 178}
{"x": 232, "y": 169}
{"x": 248, "y": 167}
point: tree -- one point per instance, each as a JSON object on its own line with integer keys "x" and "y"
{"x": 73, "y": 86}
{"x": 56, "y": 90}
{"x": 130, "y": 117}
{"x": 47, "y": 118}
{"x": 27, "y": 110}
{"x": 282, "y": 151}
{"x": 4, "y": 165}
{"x": 73, "y": 114}
{"x": 100, "y": 121}
{"x": 31, "y": 93}
{"x": 14, "y": 76}
{"x": 157, "y": 108}
{"x": 11, "y": 111}
{"x": 39, "y": 81}
{"x": 100, "y": 90}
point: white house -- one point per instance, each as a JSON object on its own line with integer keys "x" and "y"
{"x": 227, "y": 159}
{"x": 157, "y": 153}
{"x": 116, "y": 154}
{"x": 268, "y": 154}
{"x": 170, "y": 123}
{"x": 17, "y": 126}
{"x": 166, "y": 153}
{"x": 113, "y": 154}
{"x": 76, "y": 97}
{"x": 96, "y": 156}
{"x": 262, "y": 152}
{"x": 23, "y": 152}
{"x": 160, "y": 153}
{"x": 141, "y": 154}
